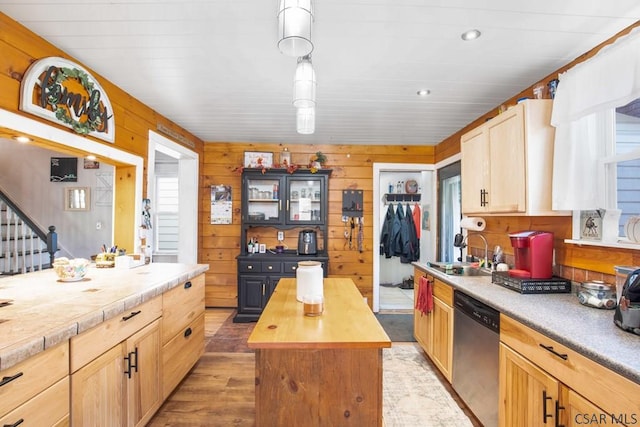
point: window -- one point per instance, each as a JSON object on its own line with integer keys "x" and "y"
{"x": 449, "y": 210}
{"x": 167, "y": 230}
{"x": 622, "y": 164}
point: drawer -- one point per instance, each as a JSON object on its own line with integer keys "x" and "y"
{"x": 290, "y": 267}
{"x": 92, "y": 343}
{"x": 181, "y": 353}
{"x": 586, "y": 377}
{"x": 249, "y": 266}
{"x": 32, "y": 376}
{"x": 181, "y": 305}
{"x": 271, "y": 266}
{"x": 46, "y": 409}
{"x": 443, "y": 291}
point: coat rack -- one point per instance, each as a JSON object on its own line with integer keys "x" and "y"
{"x": 401, "y": 197}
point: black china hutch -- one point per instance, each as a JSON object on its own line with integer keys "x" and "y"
{"x": 273, "y": 201}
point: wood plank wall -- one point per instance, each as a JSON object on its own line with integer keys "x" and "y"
{"x": 352, "y": 167}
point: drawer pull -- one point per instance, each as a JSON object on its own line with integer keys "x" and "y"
{"x": 187, "y": 332}
{"x": 562, "y": 356}
{"x": 249, "y": 267}
{"x": 133, "y": 314}
{"x": 544, "y": 406}
{"x": 270, "y": 267}
{"x": 16, "y": 424}
{"x": 6, "y": 380}
{"x": 187, "y": 285}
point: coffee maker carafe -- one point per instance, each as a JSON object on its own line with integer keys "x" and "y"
{"x": 533, "y": 251}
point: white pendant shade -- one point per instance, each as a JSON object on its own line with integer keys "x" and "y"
{"x": 304, "y": 84}
{"x": 295, "y": 20}
{"x": 306, "y": 120}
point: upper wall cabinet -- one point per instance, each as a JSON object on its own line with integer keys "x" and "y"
{"x": 507, "y": 163}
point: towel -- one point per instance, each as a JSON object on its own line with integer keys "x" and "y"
{"x": 424, "y": 302}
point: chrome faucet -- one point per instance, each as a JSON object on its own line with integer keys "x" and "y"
{"x": 459, "y": 242}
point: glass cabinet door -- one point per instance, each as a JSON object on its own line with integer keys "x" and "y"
{"x": 306, "y": 202}
{"x": 263, "y": 202}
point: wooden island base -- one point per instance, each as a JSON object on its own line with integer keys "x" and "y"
{"x": 318, "y": 371}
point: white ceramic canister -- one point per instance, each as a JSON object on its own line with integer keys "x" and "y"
{"x": 309, "y": 279}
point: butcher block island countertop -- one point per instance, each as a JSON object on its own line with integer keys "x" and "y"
{"x": 318, "y": 371}
{"x": 44, "y": 311}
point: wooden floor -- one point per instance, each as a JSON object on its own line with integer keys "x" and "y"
{"x": 219, "y": 391}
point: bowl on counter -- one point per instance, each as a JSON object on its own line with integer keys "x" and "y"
{"x": 71, "y": 270}
{"x": 596, "y": 293}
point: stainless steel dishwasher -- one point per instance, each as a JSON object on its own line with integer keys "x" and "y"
{"x": 476, "y": 341}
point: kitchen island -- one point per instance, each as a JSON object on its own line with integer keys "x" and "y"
{"x": 318, "y": 371}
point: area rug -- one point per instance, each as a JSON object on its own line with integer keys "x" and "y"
{"x": 399, "y": 327}
{"x": 412, "y": 393}
{"x": 230, "y": 338}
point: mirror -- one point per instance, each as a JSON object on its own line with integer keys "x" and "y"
{"x": 77, "y": 199}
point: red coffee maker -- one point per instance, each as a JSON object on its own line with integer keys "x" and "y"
{"x": 533, "y": 252}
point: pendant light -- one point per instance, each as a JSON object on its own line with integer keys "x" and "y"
{"x": 306, "y": 120}
{"x": 304, "y": 84}
{"x": 295, "y": 19}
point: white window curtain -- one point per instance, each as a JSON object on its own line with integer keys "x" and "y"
{"x": 582, "y": 116}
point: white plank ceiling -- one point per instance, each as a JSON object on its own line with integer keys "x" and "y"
{"x": 212, "y": 66}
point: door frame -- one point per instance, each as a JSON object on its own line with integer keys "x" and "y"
{"x": 188, "y": 162}
{"x": 377, "y": 200}
{"x": 20, "y": 124}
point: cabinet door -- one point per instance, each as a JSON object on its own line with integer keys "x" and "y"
{"x": 442, "y": 335}
{"x": 143, "y": 386}
{"x": 98, "y": 390}
{"x": 261, "y": 200}
{"x": 580, "y": 412}
{"x": 306, "y": 199}
{"x": 475, "y": 169}
{"x": 251, "y": 294}
{"x": 508, "y": 168}
{"x": 528, "y": 395}
{"x": 422, "y": 323}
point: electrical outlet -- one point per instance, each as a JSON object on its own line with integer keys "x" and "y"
{"x": 280, "y": 236}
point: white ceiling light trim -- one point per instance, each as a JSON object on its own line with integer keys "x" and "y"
{"x": 304, "y": 84}
{"x": 295, "y": 22}
{"x": 306, "y": 120}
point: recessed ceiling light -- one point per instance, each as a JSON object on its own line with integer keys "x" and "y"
{"x": 423, "y": 92}
{"x": 470, "y": 35}
{"x": 22, "y": 139}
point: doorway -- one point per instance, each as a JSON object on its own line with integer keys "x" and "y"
{"x": 172, "y": 188}
{"x": 390, "y": 290}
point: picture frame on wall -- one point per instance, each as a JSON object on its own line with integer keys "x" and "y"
{"x": 64, "y": 169}
{"x": 258, "y": 159}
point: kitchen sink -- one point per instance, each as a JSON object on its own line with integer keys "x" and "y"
{"x": 461, "y": 268}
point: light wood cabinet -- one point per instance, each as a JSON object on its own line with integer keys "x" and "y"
{"x": 36, "y": 391}
{"x": 122, "y": 382}
{"x": 434, "y": 330}
{"x": 541, "y": 379}
{"x": 182, "y": 331}
{"x": 507, "y": 162}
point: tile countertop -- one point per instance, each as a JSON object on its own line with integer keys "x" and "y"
{"x": 45, "y": 311}
{"x": 589, "y": 331}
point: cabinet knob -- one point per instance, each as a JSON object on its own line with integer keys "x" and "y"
{"x": 187, "y": 285}
{"x": 250, "y": 267}
{"x": 187, "y": 332}
{"x": 270, "y": 267}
